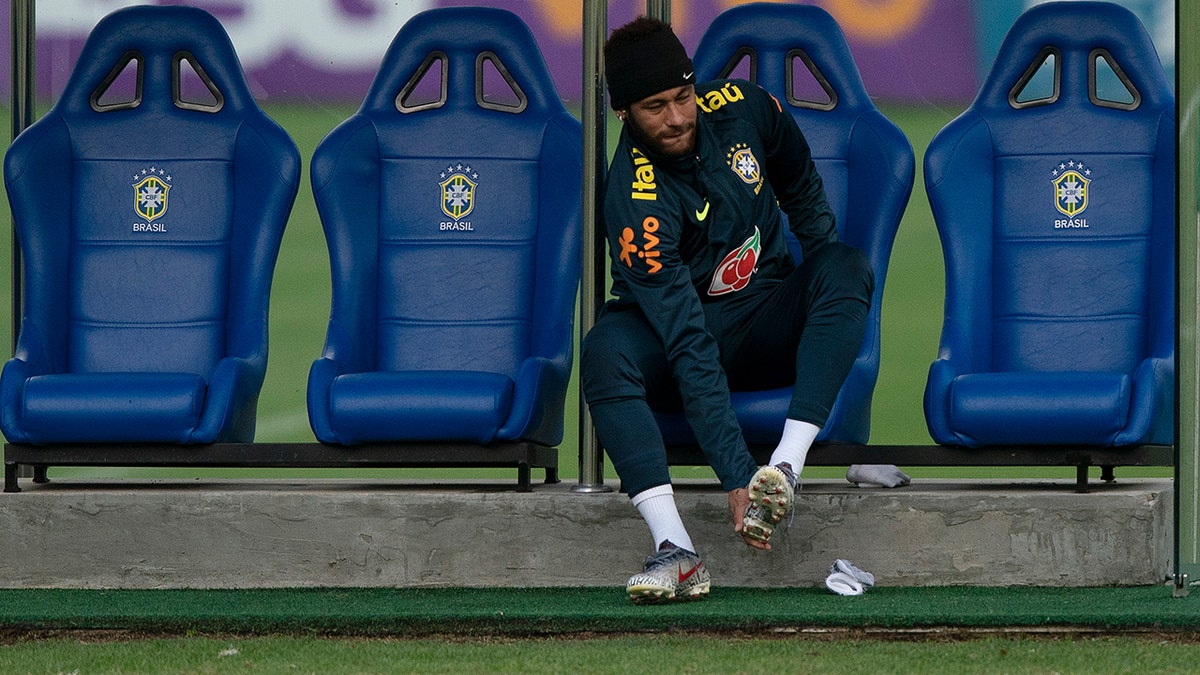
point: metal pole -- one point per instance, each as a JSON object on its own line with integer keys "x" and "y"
{"x": 1187, "y": 251}
{"x": 22, "y": 64}
{"x": 659, "y": 9}
{"x": 23, "y": 29}
{"x": 595, "y": 166}
{"x": 22, "y": 96}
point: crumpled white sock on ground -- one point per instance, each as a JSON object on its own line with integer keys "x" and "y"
{"x": 845, "y": 578}
{"x": 877, "y": 475}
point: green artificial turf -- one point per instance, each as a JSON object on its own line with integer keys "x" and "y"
{"x": 554, "y": 611}
{"x": 658, "y": 654}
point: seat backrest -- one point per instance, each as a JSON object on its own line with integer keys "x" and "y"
{"x": 465, "y": 151}
{"x": 126, "y": 195}
{"x": 799, "y": 54}
{"x": 1054, "y": 197}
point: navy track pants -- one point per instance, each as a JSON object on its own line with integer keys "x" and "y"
{"x": 804, "y": 329}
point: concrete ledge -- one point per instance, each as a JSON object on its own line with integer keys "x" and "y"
{"x": 357, "y": 533}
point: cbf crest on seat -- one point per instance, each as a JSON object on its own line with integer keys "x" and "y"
{"x": 149, "y": 203}
{"x": 1054, "y": 198}
{"x": 799, "y": 54}
{"x": 451, "y": 207}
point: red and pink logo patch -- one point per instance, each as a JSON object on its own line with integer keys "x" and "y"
{"x": 734, "y": 272}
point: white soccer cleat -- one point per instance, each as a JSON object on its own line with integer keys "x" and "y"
{"x": 772, "y": 496}
{"x": 671, "y": 573}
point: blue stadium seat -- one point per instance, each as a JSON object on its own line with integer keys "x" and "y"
{"x": 1054, "y": 198}
{"x": 149, "y": 203}
{"x": 451, "y": 207}
{"x": 865, "y": 162}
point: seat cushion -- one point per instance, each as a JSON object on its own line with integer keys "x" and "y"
{"x": 760, "y": 414}
{"x": 436, "y": 405}
{"x": 1032, "y": 408}
{"x": 112, "y": 407}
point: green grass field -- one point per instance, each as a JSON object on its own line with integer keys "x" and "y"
{"x": 911, "y": 313}
{"x": 670, "y": 653}
{"x": 571, "y": 630}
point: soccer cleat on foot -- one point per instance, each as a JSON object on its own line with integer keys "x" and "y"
{"x": 772, "y": 495}
{"x": 671, "y": 573}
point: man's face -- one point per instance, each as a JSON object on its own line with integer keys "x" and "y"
{"x": 667, "y": 121}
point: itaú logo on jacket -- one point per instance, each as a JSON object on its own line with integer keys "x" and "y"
{"x": 734, "y": 272}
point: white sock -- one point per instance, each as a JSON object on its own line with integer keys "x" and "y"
{"x": 657, "y": 506}
{"x": 793, "y": 448}
{"x": 883, "y": 475}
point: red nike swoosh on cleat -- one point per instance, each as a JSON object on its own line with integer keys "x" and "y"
{"x": 684, "y": 577}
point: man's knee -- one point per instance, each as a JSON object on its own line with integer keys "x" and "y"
{"x": 598, "y": 359}
{"x": 608, "y": 365}
{"x": 593, "y": 352}
{"x": 845, "y": 270}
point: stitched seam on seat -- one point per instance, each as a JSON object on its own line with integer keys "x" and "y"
{"x": 89, "y": 323}
{"x": 1028, "y": 317}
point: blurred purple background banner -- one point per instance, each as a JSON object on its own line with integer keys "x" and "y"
{"x": 328, "y": 50}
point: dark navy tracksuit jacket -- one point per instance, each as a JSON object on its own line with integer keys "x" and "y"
{"x": 687, "y": 231}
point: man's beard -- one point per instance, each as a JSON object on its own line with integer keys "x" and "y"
{"x": 657, "y": 146}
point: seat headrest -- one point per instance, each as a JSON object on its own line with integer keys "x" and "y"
{"x": 463, "y": 39}
{"x": 157, "y": 37}
{"x": 1076, "y": 33}
{"x": 774, "y": 37}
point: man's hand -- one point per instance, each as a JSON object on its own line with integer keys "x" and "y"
{"x": 739, "y": 499}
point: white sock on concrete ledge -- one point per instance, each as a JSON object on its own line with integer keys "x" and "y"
{"x": 877, "y": 475}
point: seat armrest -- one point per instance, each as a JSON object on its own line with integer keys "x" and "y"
{"x": 12, "y": 385}
{"x": 540, "y": 390}
{"x": 1152, "y": 404}
{"x": 937, "y": 401}
{"x": 320, "y": 383}
{"x": 232, "y": 401}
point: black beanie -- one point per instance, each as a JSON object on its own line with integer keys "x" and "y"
{"x": 645, "y": 65}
